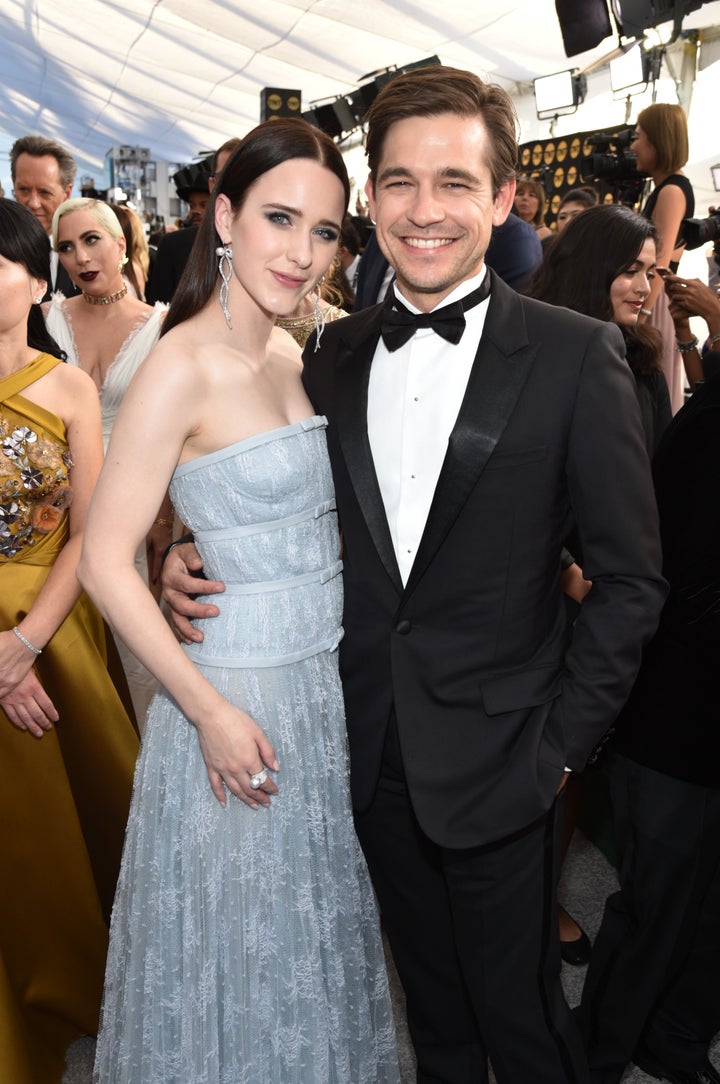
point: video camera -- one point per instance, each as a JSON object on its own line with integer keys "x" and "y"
{"x": 698, "y": 231}
{"x": 613, "y": 162}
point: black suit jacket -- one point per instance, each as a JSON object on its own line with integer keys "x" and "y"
{"x": 493, "y": 696}
{"x": 172, "y": 256}
{"x": 671, "y": 722}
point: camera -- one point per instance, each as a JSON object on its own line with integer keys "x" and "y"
{"x": 612, "y": 160}
{"x": 615, "y": 165}
{"x": 698, "y": 231}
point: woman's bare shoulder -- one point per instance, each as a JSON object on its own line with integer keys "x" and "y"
{"x": 74, "y": 380}
{"x": 180, "y": 359}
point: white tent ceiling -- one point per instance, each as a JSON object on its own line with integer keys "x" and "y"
{"x": 181, "y": 76}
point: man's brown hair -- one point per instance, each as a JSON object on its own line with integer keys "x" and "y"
{"x": 432, "y": 91}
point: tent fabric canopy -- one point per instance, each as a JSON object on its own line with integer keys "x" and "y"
{"x": 181, "y": 76}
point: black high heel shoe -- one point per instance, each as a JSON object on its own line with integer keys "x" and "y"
{"x": 576, "y": 952}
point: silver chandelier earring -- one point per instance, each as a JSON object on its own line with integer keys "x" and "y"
{"x": 318, "y": 314}
{"x": 225, "y": 255}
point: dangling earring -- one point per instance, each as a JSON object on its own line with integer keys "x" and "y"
{"x": 318, "y": 314}
{"x": 123, "y": 261}
{"x": 225, "y": 254}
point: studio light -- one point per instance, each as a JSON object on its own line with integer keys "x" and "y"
{"x": 334, "y": 117}
{"x": 559, "y": 94}
{"x": 337, "y": 117}
{"x": 583, "y": 24}
{"x": 631, "y": 73}
{"x": 636, "y": 16}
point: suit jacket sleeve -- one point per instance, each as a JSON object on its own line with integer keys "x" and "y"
{"x": 611, "y": 493}
{"x": 514, "y": 252}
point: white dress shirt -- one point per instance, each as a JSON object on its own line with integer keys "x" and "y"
{"x": 414, "y": 397}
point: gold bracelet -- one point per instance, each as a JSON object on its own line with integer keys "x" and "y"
{"x": 164, "y": 522}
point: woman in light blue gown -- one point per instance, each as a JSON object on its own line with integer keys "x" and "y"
{"x": 245, "y": 944}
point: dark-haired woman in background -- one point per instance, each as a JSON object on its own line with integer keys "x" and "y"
{"x": 245, "y": 944}
{"x": 63, "y": 799}
{"x": 573, "y": 204}
{"x": 602, "y": 264}
{"x": 661, "y": 148}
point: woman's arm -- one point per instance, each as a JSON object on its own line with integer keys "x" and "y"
{"x": 158, "y": 539}
{"x": 667, "y": 216}
{"x": 691, "y": 297}
{"x": 164, "y": 404}
{"x": 25, "y": 703}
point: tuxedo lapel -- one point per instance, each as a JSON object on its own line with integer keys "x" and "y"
{"x": 352, "y": 375}
{"x": 502, "y": 364}
{"x": 63, "y": 284}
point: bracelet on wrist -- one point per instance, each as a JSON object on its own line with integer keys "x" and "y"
{"x": 685, "y": 348}
{"x": 646, "y": 312}
{"x": 24, "y": 640}
{"x": 712, "y": 340}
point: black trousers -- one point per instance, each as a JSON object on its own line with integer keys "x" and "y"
{"x": 474, "y": 937}
{"x": 653, "y": 976}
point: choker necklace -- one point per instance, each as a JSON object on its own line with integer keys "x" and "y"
{"x": 110, "y": 299}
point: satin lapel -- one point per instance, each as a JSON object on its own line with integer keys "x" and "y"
{"x": 352, "y": 376}
{"x": 501, "y": 367}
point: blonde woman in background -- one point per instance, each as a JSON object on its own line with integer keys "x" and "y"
{"x": 108, "y": 333}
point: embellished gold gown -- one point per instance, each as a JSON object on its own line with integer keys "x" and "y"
{"x": 63, "y": 798}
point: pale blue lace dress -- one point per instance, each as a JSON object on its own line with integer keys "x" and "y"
{"x": 245, "y": 946}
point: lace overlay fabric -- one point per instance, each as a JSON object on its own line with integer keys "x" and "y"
{"x": 245, "y": 944}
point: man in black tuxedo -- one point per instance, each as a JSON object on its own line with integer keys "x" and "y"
{"x": 462, "y": 453}
{"x": 43, "y": 174}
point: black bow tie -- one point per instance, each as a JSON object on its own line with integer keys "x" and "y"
{"x": 399, "y": 324}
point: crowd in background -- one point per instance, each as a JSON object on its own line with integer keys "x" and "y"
{"x": 98, "y": 302}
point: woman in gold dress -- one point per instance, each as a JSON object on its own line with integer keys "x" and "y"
{"x": 67, "y": 745}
